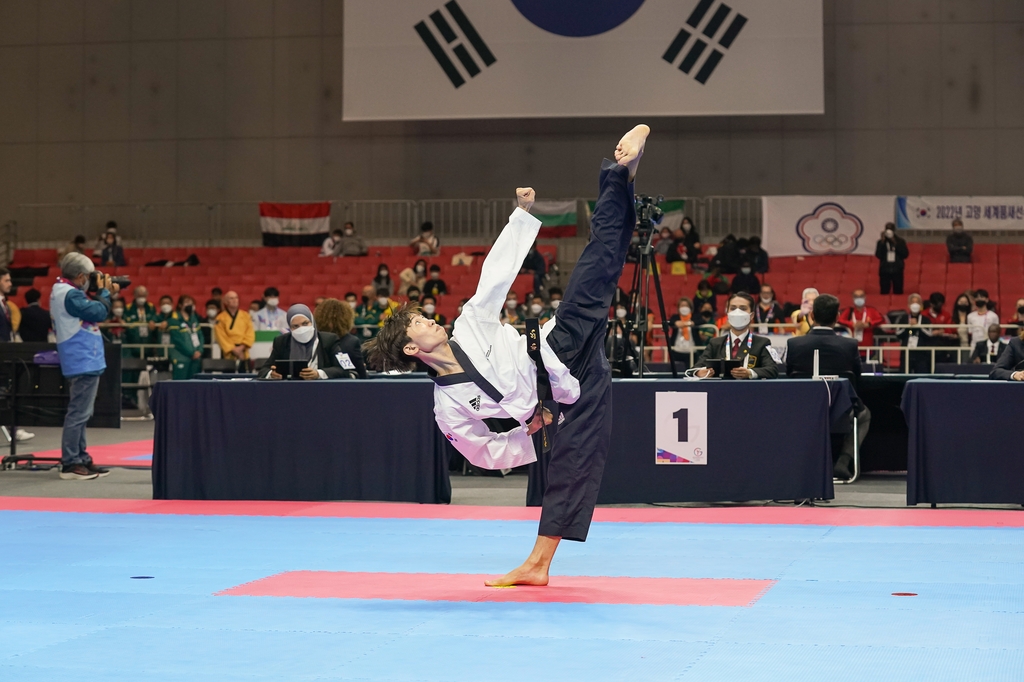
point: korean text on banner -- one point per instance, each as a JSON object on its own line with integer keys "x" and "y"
{"x": 438, "y": 59}
{"x": 824, "y": 225}
{"x": 976, "y": 213}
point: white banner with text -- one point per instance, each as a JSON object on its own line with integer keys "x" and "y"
{"x": 976, "y": 213}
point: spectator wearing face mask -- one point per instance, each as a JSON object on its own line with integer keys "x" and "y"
{"x": 705, "y": 295}
{"x": 913, "y": 336}
{"x": 705, "y": 322}
{"x": 217, "y": 295}
{"x": 426, "y": 244}
{"x": 35, "y": 320}
{"x": 960, "y": 244}
{"x": 435, "y": 286}
{"x": 413, "y": 278}
{"x": 113, "y": 254}
{"x": 512, "y": 313}
{"x": 271, "y": 318}
{"x": 746, "y": 281}
{"x": 352, "y": 300}
{"x": 988, "y": 350}
{"x": 1017, "y": 319}
{"x": 303, "y": 342}
{"x": 961, "y": 311}
{"x": 537, "y": 310}
{"x": 861, "y": 319}
{"x": 740, "y": 343}
{"x": 681, "y": 340}
{"x": 116, "y": 334}
{"x": 620, "y": 346}
{"x": 186, "y": 339}
{"x": 981, "y": 318}
{"x": 383, "y": 280}
{"x": 686, "y": 243}
{"x": 768, "y": 310}
{"x": 803, "y": 316}
{"x": 141, "y": 317}
{"x": 212, "y": 311}
{"x": 383, "y": 307}
{"x": 891, "y": 252}
{"x": 664, "y": 243}
{"x": 163, "y": 315}
{"x": 337, "y": 317}
{"x": 367, "y": 321}
{"x": 234, "y": 331}
{"x": 330, "y": 243}
{"x": 554, "y": 298}
{"x": 414, "y": 294}
{"x": 937, "y": 315}
{"x": 428, "y": 307}
{"x": 350, "y": 243}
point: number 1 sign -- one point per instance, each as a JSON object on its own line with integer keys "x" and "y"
{"x": 680, "y": 428}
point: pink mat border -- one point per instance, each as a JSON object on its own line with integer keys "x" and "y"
{"x": 466, "y": 587}
{"x": 816, "y": 516}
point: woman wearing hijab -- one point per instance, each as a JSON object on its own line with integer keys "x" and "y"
{"x": 302, "y": 341}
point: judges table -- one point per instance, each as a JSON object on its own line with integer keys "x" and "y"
{"x": 766, "y": 440}
{"x": 965, "y": 441}
{"x": 298, "y": 440}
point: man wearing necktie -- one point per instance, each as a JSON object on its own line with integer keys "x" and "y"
{"x": 754, "y": 352}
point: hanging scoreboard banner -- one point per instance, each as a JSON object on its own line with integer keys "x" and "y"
{"x": 431, "y": 59}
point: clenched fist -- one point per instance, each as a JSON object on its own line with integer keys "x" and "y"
{"x": 525, "y": 196}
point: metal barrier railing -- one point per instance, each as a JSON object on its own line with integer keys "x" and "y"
{"x": 229, "y": 223}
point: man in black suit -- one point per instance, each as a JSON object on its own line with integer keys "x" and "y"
{"x": 1010, "y": 366}
{"x": 991, "y": 349}
{"x": 740, "y": 344}
{"x": 836, "y": 355}
{"x": 35, "y": 321}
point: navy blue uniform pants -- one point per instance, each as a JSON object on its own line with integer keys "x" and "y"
{"x": 579, "y": 448}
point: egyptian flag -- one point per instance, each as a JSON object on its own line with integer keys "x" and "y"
{"x": 295, "y": 224}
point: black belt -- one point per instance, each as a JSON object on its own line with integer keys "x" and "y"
{"x": 533, "y": 342}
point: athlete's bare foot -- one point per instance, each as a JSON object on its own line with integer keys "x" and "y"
{"x": 631, "y": 148}
{"x": 525, "y": 196}
{"x": 534, "y": 570}
{"x": 527, "y": 574}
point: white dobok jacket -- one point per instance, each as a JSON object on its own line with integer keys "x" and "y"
{"x": 494, "y": 354}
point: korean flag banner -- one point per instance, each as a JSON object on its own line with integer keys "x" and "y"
{"x": 454, "y": 59}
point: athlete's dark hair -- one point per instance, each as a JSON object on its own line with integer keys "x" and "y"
{"x": 386, "y": 351}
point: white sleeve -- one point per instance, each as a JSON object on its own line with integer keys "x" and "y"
{"x": 484, "y": 448}
{"x": 502, "y": 265}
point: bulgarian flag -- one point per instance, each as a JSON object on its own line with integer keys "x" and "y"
{"x": 295, "y": 224}
{"x": 557, "y": 218}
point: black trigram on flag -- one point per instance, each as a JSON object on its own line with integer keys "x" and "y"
{"x": 700, "y": 45}
{"x": 450, "y": 38}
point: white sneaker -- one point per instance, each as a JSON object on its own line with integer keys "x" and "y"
{"x": 23, "y": 435}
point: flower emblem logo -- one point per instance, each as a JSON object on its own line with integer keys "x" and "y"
{"x": 829, "y": 229}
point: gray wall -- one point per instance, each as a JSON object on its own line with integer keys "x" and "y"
{"x": 109, "y": 101}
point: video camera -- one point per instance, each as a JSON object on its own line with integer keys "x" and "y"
{"x": 647, "y": 213}
{"x": 94, "y": 281}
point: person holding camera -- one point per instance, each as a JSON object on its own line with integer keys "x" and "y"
{"x": 76, "y": 315}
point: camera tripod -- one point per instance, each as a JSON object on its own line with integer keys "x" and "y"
{"x": 644, "y": 270}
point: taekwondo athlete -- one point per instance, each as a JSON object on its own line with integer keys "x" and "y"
{"x": 486, "y": 372}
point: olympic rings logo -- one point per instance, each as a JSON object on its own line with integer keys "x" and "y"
{"x": 831, "y": 240}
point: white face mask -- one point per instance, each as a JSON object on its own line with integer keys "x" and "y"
{"x": 140, "y": 301}
{"x": 118, "y": 312}
{"x": 348, "y": 233}
{"x": 429, "y": 308}
{"x": 745, "y": 271}
{"x": 211, "y": 313}
{"x": 767, "y": 298}
{"x": 166, "y": 308}
{"x": 510, "y": 304}
{"x": 272, "y": 302}
{"x": 536, "y": 308}
{"x": 351, "y": 304}
{"x": 620, "y": 313}
{"x": 555, "y": 302}
{"x": 382, "y": 301}
{"x": 382, "y": 274}
{"x": 859, "y": 302}
{"x": 684, "y": 311}
{"x": 420, "y": 269}
{"x": 739, "y": 319}
{"x": 889, "y": 234}
{"x": 304, "y": 334}
{"x": 435, "y": 275}
{"x": 915, "y": 308}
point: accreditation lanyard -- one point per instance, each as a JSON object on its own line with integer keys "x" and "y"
{"x": 728, "y": 345}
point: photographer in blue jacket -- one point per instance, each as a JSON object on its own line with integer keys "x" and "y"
{"x": 79, "y": 301}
